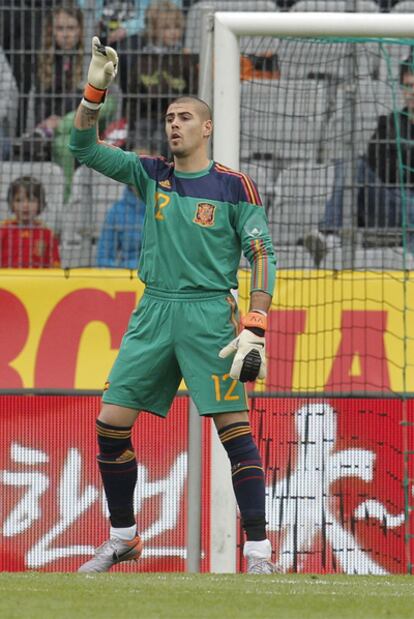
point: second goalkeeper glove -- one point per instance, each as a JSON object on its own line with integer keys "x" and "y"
{"x": 249, "y": 350}
{"x": 102, "y": 70}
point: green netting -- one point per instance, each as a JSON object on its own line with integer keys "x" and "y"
{"x": 329, "y": 142}
{"x": 322, "y": 111}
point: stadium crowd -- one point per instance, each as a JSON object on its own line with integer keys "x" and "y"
{"x": 80, "y": 221}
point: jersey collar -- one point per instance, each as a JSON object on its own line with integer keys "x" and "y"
{"x": 202, "y": 172}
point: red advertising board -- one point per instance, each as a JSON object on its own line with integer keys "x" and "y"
{"x": 334, "y": 478}
{"x": 335, "y": 472}
{"x": 52, "y": 509}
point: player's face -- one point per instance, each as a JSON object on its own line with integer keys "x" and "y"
{"x": 24, "y": 206}
{"x": 66, "y": 31}
{"x": 408, "y": 91}
{"x": 186, "y": 131}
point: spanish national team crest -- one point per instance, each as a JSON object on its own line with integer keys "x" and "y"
{"x": 205, "y": 214}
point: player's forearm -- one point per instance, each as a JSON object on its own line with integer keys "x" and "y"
{"x": 85, "y": 118}
{"x": 263, "y": 262}
{"x": 260, "y": 301}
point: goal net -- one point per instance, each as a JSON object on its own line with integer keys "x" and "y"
{"x": 327, "y": 137}
{"x": 327, "y": 143}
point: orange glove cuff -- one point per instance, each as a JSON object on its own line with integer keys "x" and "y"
{"x": 94, "y": 95}
{"x": 254, "y": 319}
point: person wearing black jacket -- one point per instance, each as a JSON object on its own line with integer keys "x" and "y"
{"x": 388, "y": 170}
{"x": 385, "y": 177}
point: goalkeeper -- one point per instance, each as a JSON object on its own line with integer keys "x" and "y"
{"x": 199, "y": 216}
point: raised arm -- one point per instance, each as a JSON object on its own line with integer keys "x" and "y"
{"x": 102, "y": 70}
{"x": 84, "y": 140}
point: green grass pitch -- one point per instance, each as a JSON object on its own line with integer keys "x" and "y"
{"x": 32, "y": 595}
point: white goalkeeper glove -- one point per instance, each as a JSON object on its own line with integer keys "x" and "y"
{"x": 102, "y": 70}
{"x": 249, "y": 360}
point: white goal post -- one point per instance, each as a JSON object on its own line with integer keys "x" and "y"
{"x": 228, "y": 28}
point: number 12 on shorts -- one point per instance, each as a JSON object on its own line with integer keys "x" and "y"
{"x": 223, "y": 388}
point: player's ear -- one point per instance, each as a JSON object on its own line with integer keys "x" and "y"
{"x": 208, "y": 128}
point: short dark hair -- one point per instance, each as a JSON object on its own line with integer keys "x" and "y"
{"x": 32, "y": 187}
{"x": 406, "y": 68}
{"x": 202, "y": 104}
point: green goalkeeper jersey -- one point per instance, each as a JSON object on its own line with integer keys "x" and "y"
{"x": 196, "y": 224}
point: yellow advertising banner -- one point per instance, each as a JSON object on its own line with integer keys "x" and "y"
{"x": 328, "y": 331}
{"x": 63, "y": 331}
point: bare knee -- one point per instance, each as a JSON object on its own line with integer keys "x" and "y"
{"x": 221, "y": 420}
{"x": 115, "y": 415}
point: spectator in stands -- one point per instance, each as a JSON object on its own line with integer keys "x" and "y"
{"x": 21, "y": 33}
{"x": 57, "y": 87}
{"x": 118, "y": 20}
{"x": 25, "y": 242}
{"x": 119, "y": 245}
{"x": 385, "y": 177}
{"x": 161, "y": 70}
{"x": 164, "y": 28}
{"x": 59, "y": 68}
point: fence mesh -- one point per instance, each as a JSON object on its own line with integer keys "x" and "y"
{"x": 324, "y": 98}
{"x": 330, "y": 145}
{"x": 326, "y": 133}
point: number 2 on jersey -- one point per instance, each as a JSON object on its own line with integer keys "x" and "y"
{"x": 161, "y": 201}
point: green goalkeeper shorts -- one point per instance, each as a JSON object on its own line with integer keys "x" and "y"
{"x": 170, "y": 338}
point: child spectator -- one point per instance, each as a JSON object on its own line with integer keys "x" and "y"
{"x": 119, "y": 245}
{"x": 117, "y": 20}
{"x": 25, "y": 242}
{"x": 164, "y": 28}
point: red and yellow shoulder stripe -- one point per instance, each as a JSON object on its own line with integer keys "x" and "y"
{"x": 252, "y": 195}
